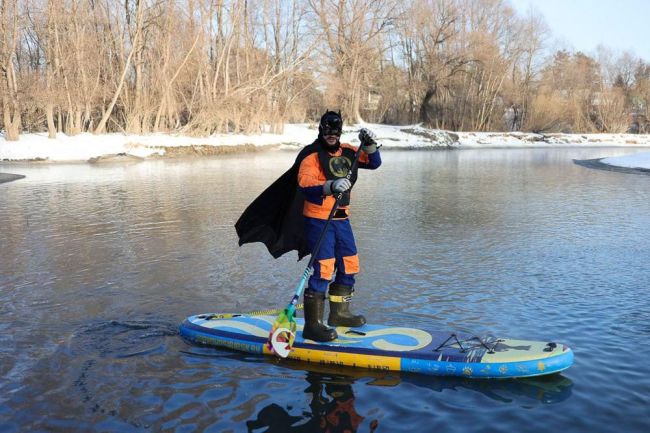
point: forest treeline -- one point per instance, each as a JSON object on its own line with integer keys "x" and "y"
{"x": 206, "y": 66}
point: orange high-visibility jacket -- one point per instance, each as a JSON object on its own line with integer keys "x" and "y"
{"x": 312, "y": 177}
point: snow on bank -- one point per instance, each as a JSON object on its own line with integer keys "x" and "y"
{"x": 637, "y": 160}
{"x": 529, "y": 139}
{"x": 84, "y": 147}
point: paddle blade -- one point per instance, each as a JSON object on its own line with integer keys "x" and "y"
{"x": 283, "y": 334}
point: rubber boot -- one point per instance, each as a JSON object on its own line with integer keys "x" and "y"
{"x": 314, "y": 328}
{"x": 340, "y": 315}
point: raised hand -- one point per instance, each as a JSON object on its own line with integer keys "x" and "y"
{"x": 367, "y": 138}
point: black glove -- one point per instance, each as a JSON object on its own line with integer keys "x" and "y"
{"x": 367, "y": 138}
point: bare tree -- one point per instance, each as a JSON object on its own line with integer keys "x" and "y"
{"x": 534, "y": 34}
{"x": 9, "y": 31}
{"x": 206, "y": 66}
{"x": 351, "y": 30}
{"x": 101, "y": 126}
{"x": 429, "y": 30}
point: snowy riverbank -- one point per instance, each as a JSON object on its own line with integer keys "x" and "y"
{"x": 93, "y": 148}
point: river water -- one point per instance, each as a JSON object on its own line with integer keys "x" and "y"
{"x": 100, "y": 263}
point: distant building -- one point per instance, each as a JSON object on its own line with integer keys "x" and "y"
{"x": 512, "y": 118}
{"x": 372, "y": 103}
{"x": 639, "y": 124}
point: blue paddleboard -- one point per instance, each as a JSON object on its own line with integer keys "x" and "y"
{"x": 389, "y": 348}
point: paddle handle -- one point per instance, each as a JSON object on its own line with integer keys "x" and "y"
{"x": 291, "y": 308}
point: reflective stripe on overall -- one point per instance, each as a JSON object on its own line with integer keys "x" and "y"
{"x": 337, "y": 253}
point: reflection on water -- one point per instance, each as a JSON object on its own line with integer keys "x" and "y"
{"x": 543, "y": 390}
{"x": 331, "y": 409}
{"x": 330, "y": 393}
{"x": 118, "y": 373}
{"x": 100, "y": 264}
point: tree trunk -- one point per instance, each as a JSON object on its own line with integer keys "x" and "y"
{"x": 49, "y": 114}
{"x": 11, "y": 122}
{"x": 427, "y": 115}
{"x": 10, "y": 104}
{"x": 8, "y": 80}
{"x": 101, "y": 126}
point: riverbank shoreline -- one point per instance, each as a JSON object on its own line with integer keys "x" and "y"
{"x": 37, "y": 147}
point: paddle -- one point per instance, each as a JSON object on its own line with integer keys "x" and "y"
{"x": 283, "y": 331}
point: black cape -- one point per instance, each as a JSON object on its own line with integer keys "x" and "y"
{"x": 275, "y": 217}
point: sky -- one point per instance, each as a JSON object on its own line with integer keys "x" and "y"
{"x": 621, "y": 25}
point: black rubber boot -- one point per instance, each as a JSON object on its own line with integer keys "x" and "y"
{"x": 314, "y": 328}
{"x": 340, "y": 315}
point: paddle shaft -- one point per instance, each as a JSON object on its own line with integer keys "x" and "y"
{"x": 305, "y": 275}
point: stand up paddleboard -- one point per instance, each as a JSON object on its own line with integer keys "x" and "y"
{"x": 389, "y": 348}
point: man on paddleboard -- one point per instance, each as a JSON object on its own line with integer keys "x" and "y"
{"x": 322, "y": 175}
{"x": 292, "y": 213}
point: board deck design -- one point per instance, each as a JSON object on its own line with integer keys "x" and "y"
{"x": 389, "y": 348}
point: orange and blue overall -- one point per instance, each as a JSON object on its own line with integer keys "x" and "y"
{"x": 338, "y": 252}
